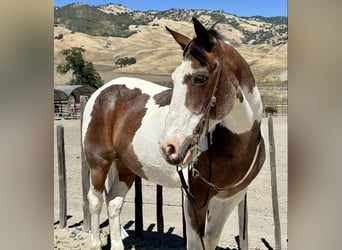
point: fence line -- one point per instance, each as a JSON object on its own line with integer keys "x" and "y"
{"x": 64, "y": 110}
{"x": 274, "y": 97}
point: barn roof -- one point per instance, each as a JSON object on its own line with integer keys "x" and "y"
{"x": 60, "y": 95}
{"x": 65, "y": 91}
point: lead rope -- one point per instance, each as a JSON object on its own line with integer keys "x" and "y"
{"x": 192, "y": 201}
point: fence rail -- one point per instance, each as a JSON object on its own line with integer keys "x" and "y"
{"x": 64, "y": 110}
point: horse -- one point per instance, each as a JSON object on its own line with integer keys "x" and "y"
{"x": 203, "y": 135}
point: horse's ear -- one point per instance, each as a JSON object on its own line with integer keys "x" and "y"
{"x": 180, "y": 39}
{"x": 203, "y": 35}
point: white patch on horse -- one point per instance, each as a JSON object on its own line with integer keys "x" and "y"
{"x": 254, "y": 98}
{"x": 114, "y": 199}
{"x": 146, "y": 147}
{"x": 95, "y": 199}
{"x": 87, "y": 111}
{"x": 193, "y": 238}
{"x": 226, "y": 42}
{"x": 114, "y": 208}
{"x": 180, "y": 121}
{"x": 146, "y": 87}
{"x": 218, "y": 212}
{"x": 241, "y": 118}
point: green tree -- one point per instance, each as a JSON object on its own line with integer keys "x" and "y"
{"x": 125, "y": 61}
{"x": 120, "y": 62}
{"x": 84, "y": 72}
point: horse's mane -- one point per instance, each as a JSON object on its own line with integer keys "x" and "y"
{"x": 216, "y": 34}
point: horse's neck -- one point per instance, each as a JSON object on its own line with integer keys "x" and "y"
{"x": 243, "y": 114}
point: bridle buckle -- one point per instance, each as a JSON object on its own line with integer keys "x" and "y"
{"x": 213, "y": 101}
{"x": 195, "y": 173}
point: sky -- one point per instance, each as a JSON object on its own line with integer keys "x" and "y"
{"x": 266, "y": 8}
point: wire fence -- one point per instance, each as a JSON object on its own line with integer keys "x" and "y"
{"x": 274, "y": 98}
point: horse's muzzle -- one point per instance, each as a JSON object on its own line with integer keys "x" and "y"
{"x": 176, "y": 155}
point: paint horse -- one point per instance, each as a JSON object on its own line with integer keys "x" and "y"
{"x": 203, "y": 135}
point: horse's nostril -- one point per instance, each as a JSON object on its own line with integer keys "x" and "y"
{"x": 170, "y": 149}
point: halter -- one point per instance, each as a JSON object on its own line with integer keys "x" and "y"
{"x": 202, "y": 126}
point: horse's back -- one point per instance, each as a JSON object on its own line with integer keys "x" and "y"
{"x": 104, "y": 98}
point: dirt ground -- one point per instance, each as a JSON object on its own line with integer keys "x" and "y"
{"x": 260, "y": 213}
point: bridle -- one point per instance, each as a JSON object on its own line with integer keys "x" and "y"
{"x": 203, "y": 128}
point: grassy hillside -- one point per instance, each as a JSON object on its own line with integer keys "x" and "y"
{"x": 109, "y": 32}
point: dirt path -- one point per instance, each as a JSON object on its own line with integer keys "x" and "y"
{"x": 261, "y": 227}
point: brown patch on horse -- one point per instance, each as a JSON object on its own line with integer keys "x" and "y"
{"x": 163, "y": 98}
{"x": 125, "y": 174}
{"x": 238, "y": 65}
{"x": 111, "y": 131}
{"x": 235, "y": 74}
{"x": 234, "y": 154}
{"x": 231, "y": 158}
{"x": 201, "y": 60}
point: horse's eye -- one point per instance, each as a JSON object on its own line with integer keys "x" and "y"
{"x": 199, "y": 80}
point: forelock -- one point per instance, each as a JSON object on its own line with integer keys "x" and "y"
{"x": 198, "y": 53}
{"x": 196, "y": 49}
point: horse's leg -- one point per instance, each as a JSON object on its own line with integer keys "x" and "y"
{"x": 218, "y": 212}
{"x": 95, "y": 199}
{"x": 99, "y": 163}
{"x": 122, "y": 182}
{"x": 195, "y": 220}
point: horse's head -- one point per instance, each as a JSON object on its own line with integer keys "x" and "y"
{"x": 204, "y": 90}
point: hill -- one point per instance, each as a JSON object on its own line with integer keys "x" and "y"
{"x": 109, "y": 32}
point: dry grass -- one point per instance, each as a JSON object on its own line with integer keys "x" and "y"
{"x": 157, "y": 53}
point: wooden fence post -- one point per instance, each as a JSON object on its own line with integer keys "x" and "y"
{"x": 243, "y": 224}
{"x": 183, "y": 221}
{"x": 138, "y": 208}
{"x": 61, "y": 177}
{"x": 160, "y": 219}
{"x": 85, "y": 173}
{"x": 277, "y": 232}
